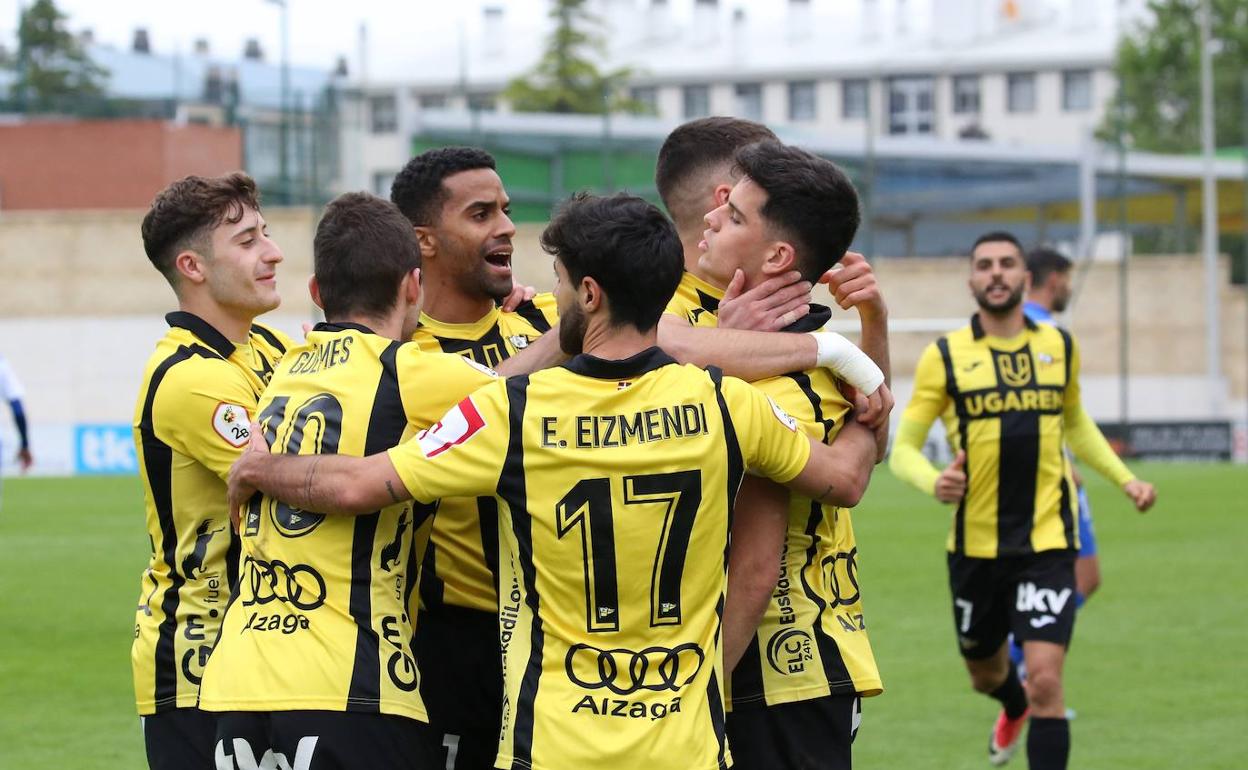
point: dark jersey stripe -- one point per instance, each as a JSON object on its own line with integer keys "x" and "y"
{"x": 736, "y": 465}
{"x": 1016, "y": 477}
{"x": 478, "y": 350}
{"x": 158, "y": 468}
{"x": 1069, "y": 502}
{"x": 385, "y": 428}
{"x": 803, "y": 382}
{"x": 487, "y": 513}
{"x": 834, "y": 668}
{"x": 269, "y": 337}
{"x": 951, "y": 387}
{"x": 715, "y": 701}
{"x": 533, "y": 314}
{"x": 512, "y": 488}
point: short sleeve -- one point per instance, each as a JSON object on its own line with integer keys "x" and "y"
{"x": 202, "y": 410}
{"x": 432, "y": 383}
{"x": 772, "y": 444}
{"x": 462, "y": 454}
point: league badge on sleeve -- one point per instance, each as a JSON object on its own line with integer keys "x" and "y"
{"x": 785, "y": 419}
{"x": 230, "y": 421}
{"x": 479, "y": 367}
{"x": 455, "y": 427}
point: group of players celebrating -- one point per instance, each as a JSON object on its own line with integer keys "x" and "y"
{"x": 465, "y": 526}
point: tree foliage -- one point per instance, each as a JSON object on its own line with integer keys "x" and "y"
{"x": 1158, "y": 67}
{"x": 53, "y": 70}
{"x": 567, "y": 78}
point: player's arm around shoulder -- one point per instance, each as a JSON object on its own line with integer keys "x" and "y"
{"x": 202, "y": 409}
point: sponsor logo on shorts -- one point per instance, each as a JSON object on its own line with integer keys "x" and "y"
{"x": 1043, "y": 600}
{"x": 1042, "y": 621}
{"x": 244, "y": 758}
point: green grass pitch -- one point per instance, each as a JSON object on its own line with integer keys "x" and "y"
{"x": 1156, "y": 674}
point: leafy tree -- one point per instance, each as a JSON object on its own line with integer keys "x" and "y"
{"x": 54, "y": 72}
{"x": 1158, "y": 68}
{"x": 566, "y": 79}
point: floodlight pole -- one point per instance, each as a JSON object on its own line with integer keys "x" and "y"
{"x": 1209, "y": 201}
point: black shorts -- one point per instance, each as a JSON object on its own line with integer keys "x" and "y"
{"x": 1032, "y": 596}
{"x": 180, "y": 739}
{"x": 323, "y": 740}
{"x": 461, "y": 682}
{"x": 814, "y": 734}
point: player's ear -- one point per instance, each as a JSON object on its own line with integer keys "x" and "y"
{"x": 189, "y": 265}
{"x": 427, "y": 240}
{"x": 314, "y": 289}
{"x": 412, "y": 286}
{"x": 590, "y": 294}
{"x": 720, "y": 196}
{"x": 781, "y": 258}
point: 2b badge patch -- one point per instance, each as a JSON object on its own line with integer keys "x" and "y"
{"x": 230, "y": 421}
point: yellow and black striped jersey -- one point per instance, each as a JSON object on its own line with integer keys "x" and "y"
{"x": 190, "y": 424}
{"x": 695, "y": 300}
{"x": 460, "y": 566}
{"x": 1009, "y": 399}
{"x": 615, "y": 482}
{"x": 321, "y": 618}
{"x": 813, "y": 640}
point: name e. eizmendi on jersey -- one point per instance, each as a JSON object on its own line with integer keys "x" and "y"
{"x": 620, "y": 430}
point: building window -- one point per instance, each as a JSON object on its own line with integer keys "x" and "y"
{"x": 750, "y": 101}
{"x": 966, "y": 94}
{"x": 1076, "y": 90}
{"x": 482, "y": 102}
{"x": 647, "y": 96}
{"x": 697, "y": 101}
{"x": 382, "y": 182}
{"x": 911, "y": 106}
{"x": 1021, "y": 92}
{"x": 854, "y": 104}
{"x": 383, "y": 114}
{"x": 802, "y": 100}
{"x": 432, "y": 101}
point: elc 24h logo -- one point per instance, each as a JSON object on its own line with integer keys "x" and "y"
{"x": 104, "y": 449}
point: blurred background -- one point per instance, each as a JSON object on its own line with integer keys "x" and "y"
{"x": 1113, "y": 129}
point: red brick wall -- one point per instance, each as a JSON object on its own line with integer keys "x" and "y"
{"x": 106, "y": 164}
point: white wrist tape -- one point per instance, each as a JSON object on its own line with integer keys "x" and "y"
{"x": 848, "y": 362}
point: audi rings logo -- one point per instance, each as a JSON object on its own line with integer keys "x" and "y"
{"x": 267, "y": 581}
{"x": 624, "y": 672}
{"x": 841, "y": 572}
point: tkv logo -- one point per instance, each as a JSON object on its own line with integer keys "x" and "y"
{"x": 1015, "y": 368}
{"x": 1032, "y": 599}
{"x": 194, "y": 560}
{"x": 245, "y": 759}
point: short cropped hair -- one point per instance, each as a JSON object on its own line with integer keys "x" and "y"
{"x": 362, "y": 249}
{"x": 1043, "y": 262}
{"x": 184, "y": 214}
{"x": 625, "y": 244}
{"x": 810, "y": 202}
{"x": 999, "y": 236}
{"x": 694, "y": 151}
{"x": 418, "y": 190}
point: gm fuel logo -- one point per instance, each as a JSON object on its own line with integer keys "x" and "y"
{"x": 104, "y": 449}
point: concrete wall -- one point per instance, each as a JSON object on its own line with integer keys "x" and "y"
{"x": 81, "y": 307}
{"x": 106, "y": 164}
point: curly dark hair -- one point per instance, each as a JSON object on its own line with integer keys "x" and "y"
{"x": 625, "y": 244}
{"x": 418, "y": 190}
{"x": 184, "y": 214}
{"x": 810, "y": 201}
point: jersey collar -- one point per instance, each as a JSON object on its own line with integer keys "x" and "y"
{"x": 977, "y": 328}
{"x": 202, "y": 329}
{"x": 341, "y": 326}
{"x": 621, "y": 369}
{"x": 813, "y": 321}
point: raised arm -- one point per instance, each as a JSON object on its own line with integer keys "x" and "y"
{"x": 838, "y": 474}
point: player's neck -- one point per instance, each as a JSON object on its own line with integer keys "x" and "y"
{"x": 234, "y": 328}
{"x": 1004, "y": 325}
{"x": 1042, "y": 300}
{"x": 615, "y": 343}
{"x": 390, "y": 327}
{"x": 689, "y": 242}
{"x": 446, "y": 302}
